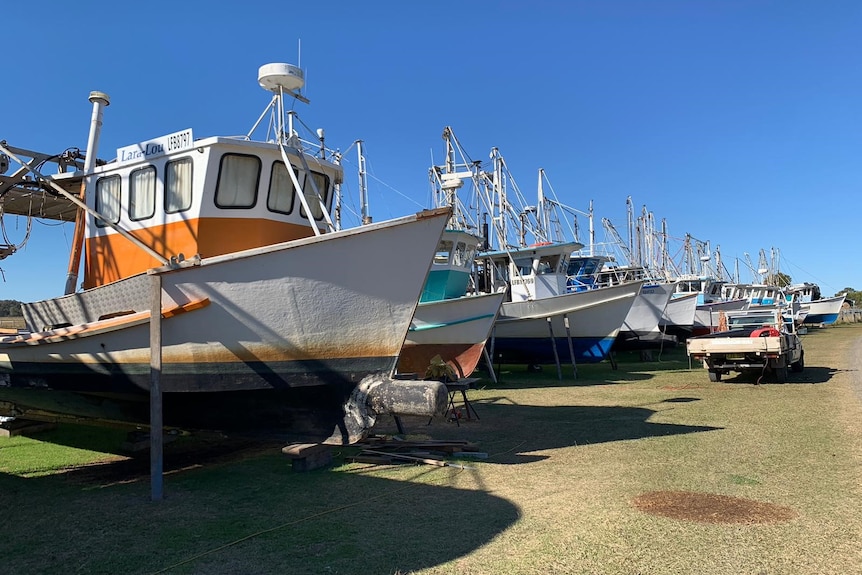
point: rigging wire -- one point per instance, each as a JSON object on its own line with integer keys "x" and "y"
{"x": 8, "y": 247}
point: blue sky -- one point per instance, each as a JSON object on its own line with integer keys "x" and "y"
{"x": 739, "y": 122}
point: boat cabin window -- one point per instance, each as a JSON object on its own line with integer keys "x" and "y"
{"x": 469, "y": 256}
{"x": 238, "y": 179}
{"x": 548, "y": 265}
{"x": 574, "y": 267}
{"x": 688, "y": 286}
{"x": 501, "y": 270}
{"x": 582, "y": 267}
{"x": 178, "y": 185}
{"x": 282, "y": 194}
{"x": 322, "y": 183}
{"x": 444, "y": 248}
{"x": 525, "y": 266}
{"x": 142, "y": 193}
{"x": 108, "y": 200}
{"x": 460, "y": 254}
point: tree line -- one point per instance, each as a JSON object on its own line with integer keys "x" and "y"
{"x": 852, "y": 296}
{"x": 10, "y": 308}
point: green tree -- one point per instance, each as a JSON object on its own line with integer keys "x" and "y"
{"x": 852, "y": 294}
{"x": 778, "y": 279}
{"x": 10, "y": 308}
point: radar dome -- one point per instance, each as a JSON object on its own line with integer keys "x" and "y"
{"x": 277, "y": 77}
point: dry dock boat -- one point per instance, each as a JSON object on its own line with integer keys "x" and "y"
{"x": 272, "y": 319}
{"x": 819, "y": 310}
{"x": 542, "y": 321}
{"x": 448, "y": 322}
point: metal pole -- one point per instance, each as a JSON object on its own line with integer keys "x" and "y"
{"x": 554, "y": 347}
{"x": 363, "y": 185}
{"x": 571, "y": 346}
{"x": 100, "y": 101}
{"x": 156, "y": 420}
{"x": 490, "y": 364}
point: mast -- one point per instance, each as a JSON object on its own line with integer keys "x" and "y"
{"x": 286, "y": 80}
{"x": 762, "y": 266}
{"x": 541, "y": 219}
{"x": 363, "y": 184}
{"x": 630, "y": 225}
{"x": 719, "y": 268}
{"x": 664, "y": 254}
{"x": 500, "y": 194}
{"x": 649, "y": 261}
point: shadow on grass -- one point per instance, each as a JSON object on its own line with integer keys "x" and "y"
{"x": 220, "y": 491}
{"x": 539, "y": 428}
{"x": 253, "y": 516}
{"x": 810, "y": 375}
{"x": 223, "y": 492}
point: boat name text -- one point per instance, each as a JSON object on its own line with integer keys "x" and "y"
{"x": 170, "y": 143}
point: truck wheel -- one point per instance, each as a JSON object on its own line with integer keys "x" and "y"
{"x": 799, "y": 365}
{"x": 781, "y": 374}
{"x": 714, "y": 376}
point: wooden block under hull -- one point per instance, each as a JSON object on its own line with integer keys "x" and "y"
{"x": 17, "y": 427}
{"x": 308, "y": 456}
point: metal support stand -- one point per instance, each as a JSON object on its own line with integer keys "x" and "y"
{"x": 489, "y": 354}
{"x": 156, "y": 420}
{"x": 554, "y": 347}
{"x": 613, "y": 359}
{"x": 571, "y": 345}
{"x": 490, "y": 364}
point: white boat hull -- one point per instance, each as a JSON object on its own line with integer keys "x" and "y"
{"x": 678, "y": 317}
{"x": 522, "y": 335}
{"x": 823, "y": 311}
{"x": 455, "y": 329}
{"x": 647, "y": 310}
{"x": 309, "y": 314}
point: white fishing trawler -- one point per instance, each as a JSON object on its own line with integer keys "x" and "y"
{"x": 452, "y": 321}
{"x": 539, "y": 321}
{"x": 269, "y": 315}
{"x": 542, "y": 322}
{"x": 641, "y": 324}
{"x": 819, "y": 310}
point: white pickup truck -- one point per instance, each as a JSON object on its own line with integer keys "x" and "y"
{"x": 754, "y": 341}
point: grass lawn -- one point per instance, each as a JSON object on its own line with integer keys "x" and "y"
{"x": 644, "y": 469}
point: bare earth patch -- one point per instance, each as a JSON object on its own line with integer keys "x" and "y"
{"x": 711, "y": 508}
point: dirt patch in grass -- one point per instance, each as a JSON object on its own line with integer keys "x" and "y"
{"x": 711, "y": 508}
